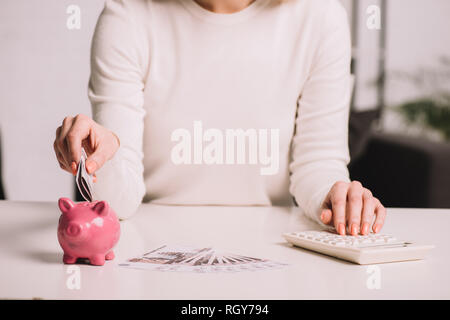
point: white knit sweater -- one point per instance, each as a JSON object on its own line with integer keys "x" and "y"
{"x": 175, "y": 82}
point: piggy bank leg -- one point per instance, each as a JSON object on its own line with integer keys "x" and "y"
{"x": 97, "y": 260}
{"x": 69, "y": 259}
{"x": 109, "y": 255}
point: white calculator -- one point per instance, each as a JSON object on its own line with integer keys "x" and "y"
{"x": 361, "y": 249}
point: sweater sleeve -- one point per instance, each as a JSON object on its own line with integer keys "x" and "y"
{"x": 118, "y": 65}
{"x": 320, "y": 144}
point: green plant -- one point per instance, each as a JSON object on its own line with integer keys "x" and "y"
{"x": 429, "y": 112}
{"x": 432, "y": 110}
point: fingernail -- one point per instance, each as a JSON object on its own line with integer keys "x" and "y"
{"x": 365, "y": 228}
{"x": 376, "y": 228}
{"x": 341, "y": 229}
{"x": 91, "y": 167}
{"x": 354, "y": 230}
{"x": 73, "y": 166}
{"x": 322, "y": 215}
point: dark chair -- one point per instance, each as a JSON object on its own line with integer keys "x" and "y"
{"x": 359, "y": 128}
{"x": 405, "y": 171}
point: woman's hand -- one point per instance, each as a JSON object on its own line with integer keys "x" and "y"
{"x": 99, "y": 143}
{"x": 350, "y": 206}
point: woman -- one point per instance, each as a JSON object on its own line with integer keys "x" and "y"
{"x": 171, "y": 79}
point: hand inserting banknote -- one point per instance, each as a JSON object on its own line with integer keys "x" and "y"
{"x": 83, "y": 179}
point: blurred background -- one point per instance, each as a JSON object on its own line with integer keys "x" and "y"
{"x": 399, "y": 124}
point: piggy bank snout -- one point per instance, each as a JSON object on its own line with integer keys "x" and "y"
{"x": 73, "y": 230}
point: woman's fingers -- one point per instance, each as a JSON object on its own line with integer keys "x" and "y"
{"x": 354, "y": 207}
{"x": 60, "y": 143}
{"x": 368, "y": 212}
{"x": 96, "y": 160}
{"x": 99, "y": 143}
{"x": 103, "y": 151}
{"x": 77, "y": 133}
{"x": 350, "y": 205}
{"x": 380, "y": 212}
{"x": 59, "y": 157}
{"x": 68, "y": 140}
{"x": 326, "y": 216}
{"x": 338, "y": 200}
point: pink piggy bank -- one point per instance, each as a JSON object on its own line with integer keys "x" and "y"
{"x": 87, "y": 230}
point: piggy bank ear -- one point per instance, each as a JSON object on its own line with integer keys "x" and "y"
{"x": 101, "y": 208}
{"x": 65, "y": 204}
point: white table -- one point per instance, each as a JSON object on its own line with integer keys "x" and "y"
{"x": 31, "y": 259}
